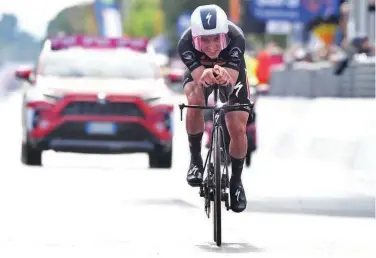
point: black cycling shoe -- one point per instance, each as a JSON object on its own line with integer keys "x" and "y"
{"x": 195, "y": 173}
{"x": 238, "y": 200}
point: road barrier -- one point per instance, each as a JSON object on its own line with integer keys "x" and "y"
{"x": 312, "y": 80}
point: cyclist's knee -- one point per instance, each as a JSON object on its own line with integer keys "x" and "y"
{"x": 194, "y": 94}
{"x": 236, "y": 123}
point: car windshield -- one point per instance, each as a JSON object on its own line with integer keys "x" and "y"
{"x": 122, "y": 63}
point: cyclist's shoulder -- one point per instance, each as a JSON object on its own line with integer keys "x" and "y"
{"x": 234, "y": 31}
{"x": 186, "y": 36}
{"x": 236, "y": 38}
{"x": 185, "y": 42}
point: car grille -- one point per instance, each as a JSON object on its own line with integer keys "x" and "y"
{"x": 102, "y": 109}
{"x": 125, "y": 132}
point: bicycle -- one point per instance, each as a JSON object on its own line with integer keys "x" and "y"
{"x": 216, "y": 182}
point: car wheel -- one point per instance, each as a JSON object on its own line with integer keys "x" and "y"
{"x": 30, "y": 156}
{"x": 160, "y": 158}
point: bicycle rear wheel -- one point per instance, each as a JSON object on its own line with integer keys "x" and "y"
{"x": 217, "y": 186}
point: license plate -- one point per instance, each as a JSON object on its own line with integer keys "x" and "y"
{"x": 105, "y": 128}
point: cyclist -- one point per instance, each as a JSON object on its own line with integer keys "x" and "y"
{"x": 212, "y": 49}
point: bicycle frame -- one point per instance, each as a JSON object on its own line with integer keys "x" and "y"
{"x": 217, "y": 111}
{"x": 216, "y": 181}
{"x": 217, "y": 125}
{"x": 209, "y": 170}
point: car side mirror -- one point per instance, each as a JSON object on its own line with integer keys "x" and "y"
{"x": 25, "y": 74}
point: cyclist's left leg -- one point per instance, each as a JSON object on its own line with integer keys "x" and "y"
{"x": 236, "y": 123}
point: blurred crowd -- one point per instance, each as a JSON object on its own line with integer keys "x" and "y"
{"x": 340, "y": 49}
{"x": 316, "y": 51}
{"x": 261, "y": 62}
{"x": 260, "y": 58}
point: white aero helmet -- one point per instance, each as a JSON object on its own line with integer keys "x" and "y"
{"x": 209, "y": 20}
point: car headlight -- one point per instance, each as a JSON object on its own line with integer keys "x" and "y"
{"x": 32, "y": 118}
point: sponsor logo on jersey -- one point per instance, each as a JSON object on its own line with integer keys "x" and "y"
{"x": 188, "y": 55}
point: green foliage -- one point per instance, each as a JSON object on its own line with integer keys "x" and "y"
{"x": 71, "y": 20}
{"x": 59, "y": 24}
{"x": 143, "y": 19}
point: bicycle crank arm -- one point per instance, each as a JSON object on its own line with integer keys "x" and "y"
{"x": 207, "y": 207}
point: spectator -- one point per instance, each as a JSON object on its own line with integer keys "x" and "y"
{"x": 302, "y": 55}
{"x": 341, "y": 33}
{"x": 363, "y": 46}
{"x": 272, "y": 55}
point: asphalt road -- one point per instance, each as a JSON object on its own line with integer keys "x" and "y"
{"x": 114, "y": 206}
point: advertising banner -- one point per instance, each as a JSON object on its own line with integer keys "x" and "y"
{"x": 108, "y": 16}
{"x": 292, "y": 10}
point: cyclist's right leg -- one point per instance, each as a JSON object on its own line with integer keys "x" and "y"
{"x": 195, "y": 129}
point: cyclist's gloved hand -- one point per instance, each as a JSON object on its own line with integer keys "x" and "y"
{"x": 207, "y": 78}
{"x": 223, "y": 80}
{"x": 221, "y": 75}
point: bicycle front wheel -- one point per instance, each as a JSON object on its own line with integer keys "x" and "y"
{"x": 217, "y": 186}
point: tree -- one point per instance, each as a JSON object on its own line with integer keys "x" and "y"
{"x": 8, "y": 27}
{"x": 78, "y": 19}
{"x": 15, "y": 44}
{"x": 144, "y": 19}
